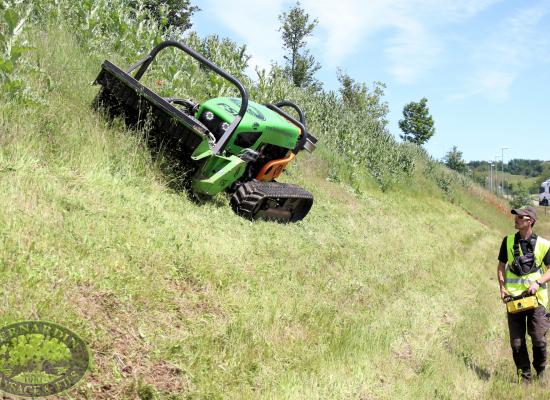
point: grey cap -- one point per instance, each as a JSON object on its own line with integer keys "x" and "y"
{"x": 527, "y": 212}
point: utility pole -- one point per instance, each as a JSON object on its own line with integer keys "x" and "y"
{"x": 502, "y": 177}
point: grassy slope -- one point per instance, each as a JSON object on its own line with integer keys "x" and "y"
{"x": 372, "y": 296}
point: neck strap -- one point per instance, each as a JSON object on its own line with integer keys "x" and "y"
{"x": 532, "y": 241}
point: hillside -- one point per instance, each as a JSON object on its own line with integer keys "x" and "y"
{"x": 375, "y": 295}
{"x": 529, "y": 179}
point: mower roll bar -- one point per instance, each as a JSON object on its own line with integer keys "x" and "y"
{"x": 286, "y": 103}
{"x": 146, "y": 62}
{"x": 301, "y": 124}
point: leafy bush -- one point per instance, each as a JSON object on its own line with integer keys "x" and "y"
{"x": 453, "y": 160}
{"x": 357, "y": 134}
{"x": 446, "y": 179}
{"x": 12, "y": 46}
{"x": 520, "y": 196}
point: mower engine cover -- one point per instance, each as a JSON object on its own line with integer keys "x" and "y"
{"x": 259, "y": 126}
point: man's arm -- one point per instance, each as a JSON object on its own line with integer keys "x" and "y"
{"x": 545, "y": 277}
{"x": 542, "y": 280}
{"x": 500, "y": 276}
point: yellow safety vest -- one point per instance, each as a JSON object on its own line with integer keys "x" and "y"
{"x": 515, "y": 284}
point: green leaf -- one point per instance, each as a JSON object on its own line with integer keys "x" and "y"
{"x": 13, "y": 86}
{"x": 11, "y": 18}
{"x": 7, "y": 66}
{"x": 17, "y": 51}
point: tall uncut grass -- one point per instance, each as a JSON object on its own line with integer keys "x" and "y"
{"x": 111, "y": 27}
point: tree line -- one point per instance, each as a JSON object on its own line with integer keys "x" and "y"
{"x": 351, "y": 121}
{"x": 300, "y": 66}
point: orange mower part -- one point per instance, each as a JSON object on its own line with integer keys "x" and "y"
{"x": 274, "y": 168}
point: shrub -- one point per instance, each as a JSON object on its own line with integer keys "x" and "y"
{"x": 520, "y": 196}
{"x": 358, "y": 135}
{"x": 12, "y": 22}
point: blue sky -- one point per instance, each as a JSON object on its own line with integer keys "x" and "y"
{"x": 484, "y": 65}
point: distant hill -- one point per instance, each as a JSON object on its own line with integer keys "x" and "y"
{"x": 529, "y": 172}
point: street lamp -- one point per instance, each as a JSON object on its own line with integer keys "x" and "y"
{"x": 502, "y": 177}
{"x": 491, "y": 177}
{"x": 496, "y": 174}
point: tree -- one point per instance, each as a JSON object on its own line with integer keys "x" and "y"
{"x": 520, "y": 196}
{"x": 222, "y": 51}
{"x": 524, "y": 167}
{"x": 300, "y": 65}
{"x": 453, "y": 160}
{"x": 357, "y": 96}
{"x": 417, "y": 123}
{"x": 179, "y": 12}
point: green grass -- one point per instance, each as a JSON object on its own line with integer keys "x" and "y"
{"x": 373, "y": 296}
{"x": 528, "y": 182}
{"x": 543, "y": 223}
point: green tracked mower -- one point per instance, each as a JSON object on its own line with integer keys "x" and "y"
{"x": 226, "y": 143}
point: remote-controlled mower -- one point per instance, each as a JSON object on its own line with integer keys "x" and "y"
{"x": 226, "y": 143}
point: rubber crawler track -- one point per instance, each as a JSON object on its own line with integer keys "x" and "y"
{"x": 253, "y": 197}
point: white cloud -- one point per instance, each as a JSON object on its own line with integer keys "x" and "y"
{"x": 416, "y": 36}
{"x": 514, "y": 45}
{"x": 412, "y": 51}
{"x": 254, "y": 22}
{"x": 450, "y": 10}
{"x": 345, "y": 26}
{"x": 345, "y": 23}
{"x": 490, "y": 83}
{"x": 408, "y": 30}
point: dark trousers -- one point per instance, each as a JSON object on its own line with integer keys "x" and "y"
{"x": 537, "y": 324}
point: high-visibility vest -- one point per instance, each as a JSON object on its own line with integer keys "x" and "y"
{"x": 515, "y": 284}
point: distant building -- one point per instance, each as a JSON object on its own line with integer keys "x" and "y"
{"x": 544, "y": 193}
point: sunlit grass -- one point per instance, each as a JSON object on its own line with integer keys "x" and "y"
{"x": 373, "y": 295}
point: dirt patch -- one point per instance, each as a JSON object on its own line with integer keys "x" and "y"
{"x": 123, "y": 364}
